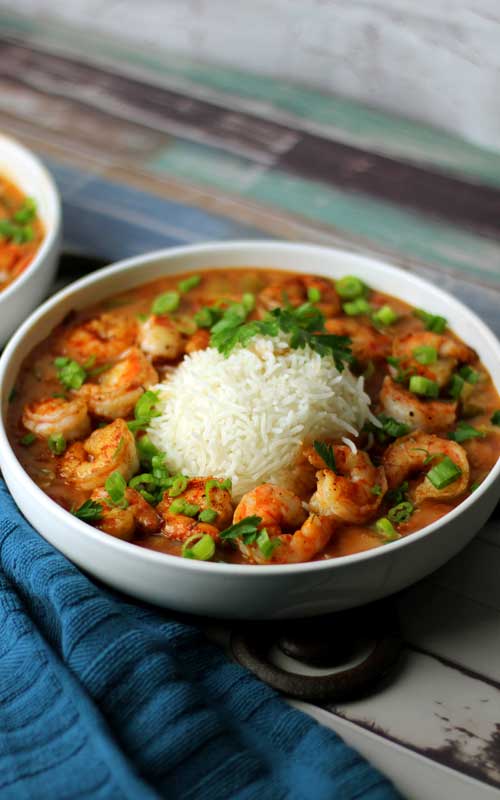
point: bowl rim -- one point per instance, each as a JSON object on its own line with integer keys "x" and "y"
{"x": 51, "y": 230}
{"x": 10, "y": 460}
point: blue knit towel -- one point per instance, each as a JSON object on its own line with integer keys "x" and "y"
{"x": 101, "y": 698}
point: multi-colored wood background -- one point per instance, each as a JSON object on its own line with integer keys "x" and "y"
{"x": 151, "y": 150}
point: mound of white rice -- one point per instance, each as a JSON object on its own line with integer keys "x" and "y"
{"x": 246, "y": 416}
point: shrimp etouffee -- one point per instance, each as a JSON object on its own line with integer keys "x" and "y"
{"x": 21, "y": 232}
{"x": 80, "y": 412}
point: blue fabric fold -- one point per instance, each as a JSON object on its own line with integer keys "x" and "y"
{"x": 102, "y": 698}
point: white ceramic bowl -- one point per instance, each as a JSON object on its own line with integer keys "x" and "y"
{"x": 226, "y": 590}
{"x": 28, "y": 173}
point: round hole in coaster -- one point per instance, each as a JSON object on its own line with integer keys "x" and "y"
{"x": 321, "y": 642}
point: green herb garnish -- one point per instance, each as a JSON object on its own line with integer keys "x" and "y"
{"x": 188, "y": 284}
{"x": 70, "y": 374}
{"x": 350, "y": 287}
{"x": 444, "y": 473}
{"x": 423, "y": 386}
{"x": 56, "y": 443}
{"x": 115, "y": 486}
{"x": 464, "y": 432}
{"x": 385, "y": 316}
{"x": 325, "y": 451}
{"x": 27, "y": 439}
{"x": 144, "y": 411}
{"x": 89, "y": 511}
{"x": 246, "y": 529}
{"x": 202, "y": 550}
{"x": 432, "y": 322}
{"x": 166, "y": 303}
{"x": 495, "y": 418}
{"x": 385, "y": 527}
{"x": 425, "y": 355}
{"x": 401, "y": 512}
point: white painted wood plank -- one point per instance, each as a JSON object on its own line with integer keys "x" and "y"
{"x": 444, "y": 715}
{"x": 416, "y": 777}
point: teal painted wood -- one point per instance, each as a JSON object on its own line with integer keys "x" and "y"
{"x": 337, "y": 117}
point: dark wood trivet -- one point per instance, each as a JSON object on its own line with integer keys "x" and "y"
{"x": 327, "y": 641}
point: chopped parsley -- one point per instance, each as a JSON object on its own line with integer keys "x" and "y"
{"x": 89, "y": 511}
{"x": 325, "y": 451}
{"x": 246, "y": 529}
{"x": 464, "y": 432}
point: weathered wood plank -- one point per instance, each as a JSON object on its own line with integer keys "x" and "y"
{"x": 266, "y": 142}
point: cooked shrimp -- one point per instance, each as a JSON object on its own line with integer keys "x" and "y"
{"x": 367, "y": 343}
{"x": 294, "y": 292}
{"x": 292, "y": 548}
{"x": 56, "y": 415}
{"x": 88, "y": 464}
{"x": 123, "y": 523}
{"x": 181, "y": 528}
{"x": 281, "y": 511}
{"x": 278, "y": 508}
{"x": 354, "y": 492}
{"x": 412, "y": 454}
{"x": 160, "y": 339}
{"x": 198, "y": 341}
{"x": 120, "y": 387}
{"x": 100, "y": 339}
{"x": 197, "y": 493}
{"x": 449, "y": 352}
{"x": 404, "y": 406}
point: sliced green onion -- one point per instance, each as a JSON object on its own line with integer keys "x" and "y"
{"x": 468, "y": 374}
{"x": 423, "y": 386}
{"x": 456, "y": 386}
{"x": 385, "y": 316}
{"x": 385, "y": 527}
{"x": 70, "y": 373}
{"x": 474, "y": 486}
{"x": 495, "y": 418}
{"x": 56, "y": 443}
{"x": 464, "y": 432}
{"x": 444, "y": 473}
{"x": 206, "y": 317}
{"x": 432, "y": 322}
{"x": 208, "y": 515}
{"x": 425, "y": 354}
{"x": 146, "y": 450}
{"x": 179, "y": 485}
{"x": 188, "y": 284}
{"x": 202, "y": 550}
{"x": 248, "y": 302}
{"x": 115, "y": 486}
{"x": 145, "y": 406}
{"x": 350, "y": 287}
{"x": 356, "y": 307}
{"x": 313, "y": 294}
{"x": 401, "y": 512}
{"x": 27, "y": 212}
{"x": 376, "y": 490}
{"x": 180, "y": 506}
{"x": 28, "y": 439}
{"x": 166, "y": 303}
{"x": 267, "y": 545}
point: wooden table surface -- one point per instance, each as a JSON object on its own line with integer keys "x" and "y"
{"x": 150, "y": 151}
